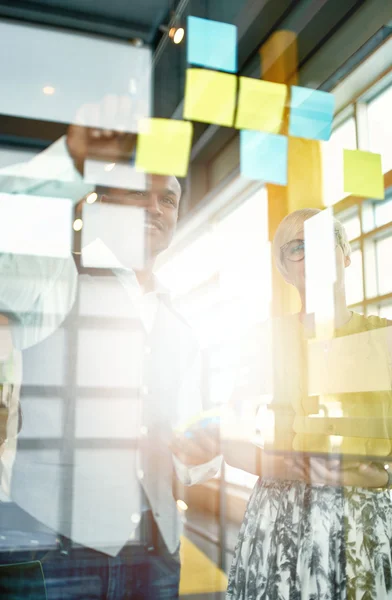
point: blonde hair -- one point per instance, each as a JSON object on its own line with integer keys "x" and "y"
{"x": 292, "y": 224}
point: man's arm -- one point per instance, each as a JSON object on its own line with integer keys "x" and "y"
{"x": 36, "y": 294}
{"x": 199, "y": 458}
{"x": 51, "y": 174}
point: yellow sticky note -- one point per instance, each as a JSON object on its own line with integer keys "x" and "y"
{"x": 210, "y": 97}
{"x": 260, "y": 105}
{"x": 164, "y": 146}
{"x": 199, "y": 574}
{"x": 363, "y": 174}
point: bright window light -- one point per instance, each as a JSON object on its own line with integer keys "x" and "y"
{"x": 342, "y": 137}
{"x": 380, "y": 127}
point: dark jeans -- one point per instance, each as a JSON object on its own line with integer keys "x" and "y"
{"x": 78, "y": 573}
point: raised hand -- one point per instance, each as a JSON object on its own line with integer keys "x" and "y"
{"x": 91, "y": 137}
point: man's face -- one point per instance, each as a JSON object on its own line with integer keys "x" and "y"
{"x": 161, "y": 202}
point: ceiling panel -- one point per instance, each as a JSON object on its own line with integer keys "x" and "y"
{"x": 145, "y": 12}
{"x": 118, "y": 18}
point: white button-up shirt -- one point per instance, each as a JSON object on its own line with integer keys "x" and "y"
{"x": 39, "y": 293}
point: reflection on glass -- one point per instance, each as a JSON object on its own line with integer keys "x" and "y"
{"x": 103, "y": 369}
{"x": 97, "y": 100}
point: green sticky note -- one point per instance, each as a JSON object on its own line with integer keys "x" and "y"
{"x": 163, "y": 147}
{"x": 363, "y": 174}
{"x": 210, "y": 97}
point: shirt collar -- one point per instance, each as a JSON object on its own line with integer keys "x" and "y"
{"x": 108, "y": 260}
{"x": 129, "y": 274}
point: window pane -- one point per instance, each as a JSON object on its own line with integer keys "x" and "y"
{"x": 354, "y": 287}
{"x": 343, "y": 136}
{"x": 386, "y": 311}
{"x": 383, "y": 257}
{"x": 380, "y": 127}
{"x": 383, "y": 212}
{"x": 351, "y": 224}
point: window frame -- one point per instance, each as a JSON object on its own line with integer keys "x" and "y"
{"x": 370, "y": 233}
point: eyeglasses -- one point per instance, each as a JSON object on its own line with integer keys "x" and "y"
{"x": 295, "y": 249}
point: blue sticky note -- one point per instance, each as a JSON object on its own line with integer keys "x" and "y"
{"x": 264, "y": 156}
{"x": 311, "y": 113}
{"x": 212, "y": 44}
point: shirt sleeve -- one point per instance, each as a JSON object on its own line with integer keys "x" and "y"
{"x": 36, "y": 293}
{"x": 190, "y": 404}
{"x": 51, "y": 173}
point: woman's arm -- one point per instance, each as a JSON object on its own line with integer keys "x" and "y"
{"x": 312, "y": 470}
{"x": 247, "y": 456}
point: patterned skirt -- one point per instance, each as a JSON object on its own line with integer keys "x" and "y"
{"x": 301, "y": 542}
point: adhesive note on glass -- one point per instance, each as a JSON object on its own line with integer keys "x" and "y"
{"x": 210, "y": 97}
{"x": 263, "y": 156}
{"x": 212, "y": 44}
{"x": 320, "y": 244}
{"x": 311, "y": 113}
{"x": 35, "y": 225}
{"x": 113, "y": 175}
{"x": 260, "y": 105}
{"x": 164, "y": 146}
{"x": 112, "y": 236}
{"x": 320, "y": 269}
{"x": 350, "y": 364}
{"x": 363, "y": 174}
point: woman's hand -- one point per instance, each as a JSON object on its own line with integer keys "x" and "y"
{"x": 196, "y": 446}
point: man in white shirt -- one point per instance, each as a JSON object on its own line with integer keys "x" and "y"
{"x": 109, "y": 371}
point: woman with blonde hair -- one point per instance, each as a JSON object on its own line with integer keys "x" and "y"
{"x": 318, "y": 524}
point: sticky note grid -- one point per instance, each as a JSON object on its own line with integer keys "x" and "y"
{"x": 211, "y": 97}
